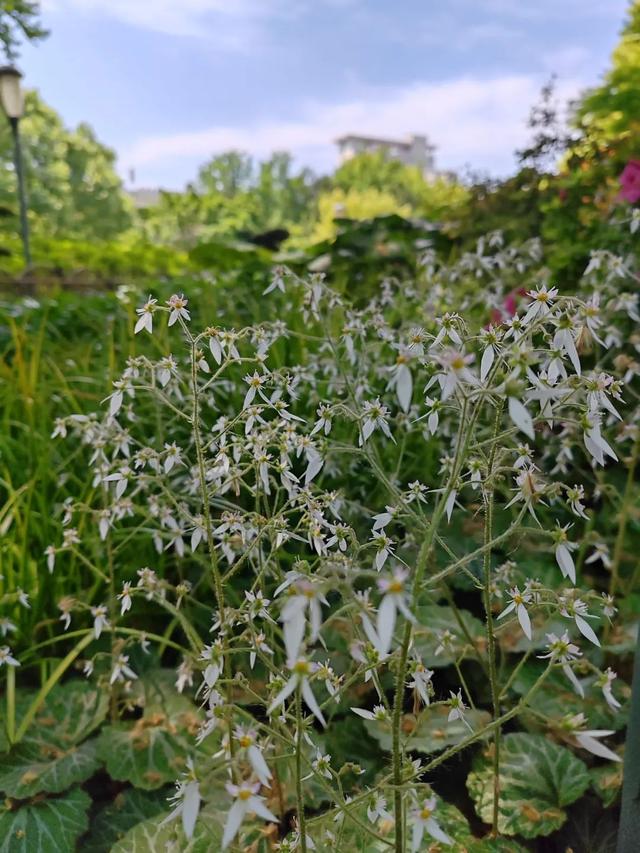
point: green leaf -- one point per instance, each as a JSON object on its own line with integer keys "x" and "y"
{"x": 154, "y": 835}
{"x": 606, "y": 781}
{"x": 434, "y": 621}
{"x": 431, "y": 732}
{"x": 73, "y": 710}
{"x": 69, "y": 714}
{"x": 153, "y": 750}
{"x": 114, "y": 820}
{"x": 51, "y": 825}
{"x": 148, "y": 753}
{"x": 538, "y": 778}
{"x": 36, "y": 765}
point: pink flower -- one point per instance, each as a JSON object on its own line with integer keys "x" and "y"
{"x": 630, "y": 182}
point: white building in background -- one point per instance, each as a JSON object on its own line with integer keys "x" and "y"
{"x": 415, "y": 150}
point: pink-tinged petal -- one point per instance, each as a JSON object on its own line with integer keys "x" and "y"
{"x": 234, "y": 820}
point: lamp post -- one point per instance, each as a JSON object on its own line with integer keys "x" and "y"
{"x": 12, "y": 100}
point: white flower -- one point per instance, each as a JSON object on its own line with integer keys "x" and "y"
{"x": 100, "y": 620}
{"x": 374, "y": 416}
{"x": 7, "y": 626}
{"x": 563, "y": 553}
{"x": 322, "y": 765}
{"x": 458, "y": 708}
{"x": 575, "y": 497}
{"x": 593, "y": 439}
{"x": 600, "y": 552}
{"x": 589, "y": 739}
{"x": 455, "y": 371}
{"x": 577, "y": 610}
{"x": 122, "y": 670}
{"x": 394, "y": 600}
{"x": 125, "y": 598}
{"x": 246, "y": 739}
{"x": 377, "y": 809}
{"x": 422, "y": 819}
{"x": 490, "y": 338}
{"x": 432, "y": 416}
{"x": 541, "y": 304}
{"x": 50, "y": 553}
{"x": 384, "y": 547}
{"x": 178, "y": 305}
{"x": 401, "y": 379}
{"x": 605, "y": 683}
{"x": 421, "y": 681}
{"x": 145, "y": 320}
{"x": 448, "y": 323}
{"x": 306, "y": 597}
{"x": 379, "y": 713}
{"x": 564, "y": 340}
{"x": 255, "y": 383}
{"x": 246, "y": 800}
{"x": 518, "y": 602}
{"x": 521, "y": 417}
{"x": 300, "y": 672}
{"x": 186, "y": 802}
{"x": 6, "y": 658}
{"x": 562, "y": 650}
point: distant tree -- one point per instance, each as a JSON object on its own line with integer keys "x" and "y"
{"x": 19, "y": 19}
{"x": 429, "y": 197}
{"x": 73, "y": 189}
{"x": 228, "y": 174}
{"x": 353, "y": 203}
{"x": 613, "y": 107}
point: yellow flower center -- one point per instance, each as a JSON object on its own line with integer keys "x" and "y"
{"x": 244, "y": 794}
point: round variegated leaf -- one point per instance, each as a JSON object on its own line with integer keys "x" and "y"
{"x": 36, "y": 765}
{"x": 538, "y": 779}
{"x": 50, "y": 825}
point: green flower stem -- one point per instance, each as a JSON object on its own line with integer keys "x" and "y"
{"x": 299, "y": 794}
{"x": 491, "y": 640}
{"x": 421, "y": 565}
{"x": 623, "y": 518}
{"x": 11, "y": 702}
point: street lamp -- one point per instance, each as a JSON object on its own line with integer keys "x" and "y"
{"x": 12, "y": 100}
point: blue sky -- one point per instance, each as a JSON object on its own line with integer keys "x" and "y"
{"x": 167, "y": 83}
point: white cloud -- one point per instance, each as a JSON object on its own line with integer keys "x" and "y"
{"x": 472, "y": 122}
{"x": 234, "y": 24}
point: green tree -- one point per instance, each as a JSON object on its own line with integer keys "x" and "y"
{"x": 19, "y": 19}
{"x": 437, "y": 197}
{"x": 228, "y": 174}
{"x": 72, "y": 185}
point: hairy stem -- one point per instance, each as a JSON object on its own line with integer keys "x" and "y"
{"x": 299, "y": 795}
{"x": 491, "y": 640}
